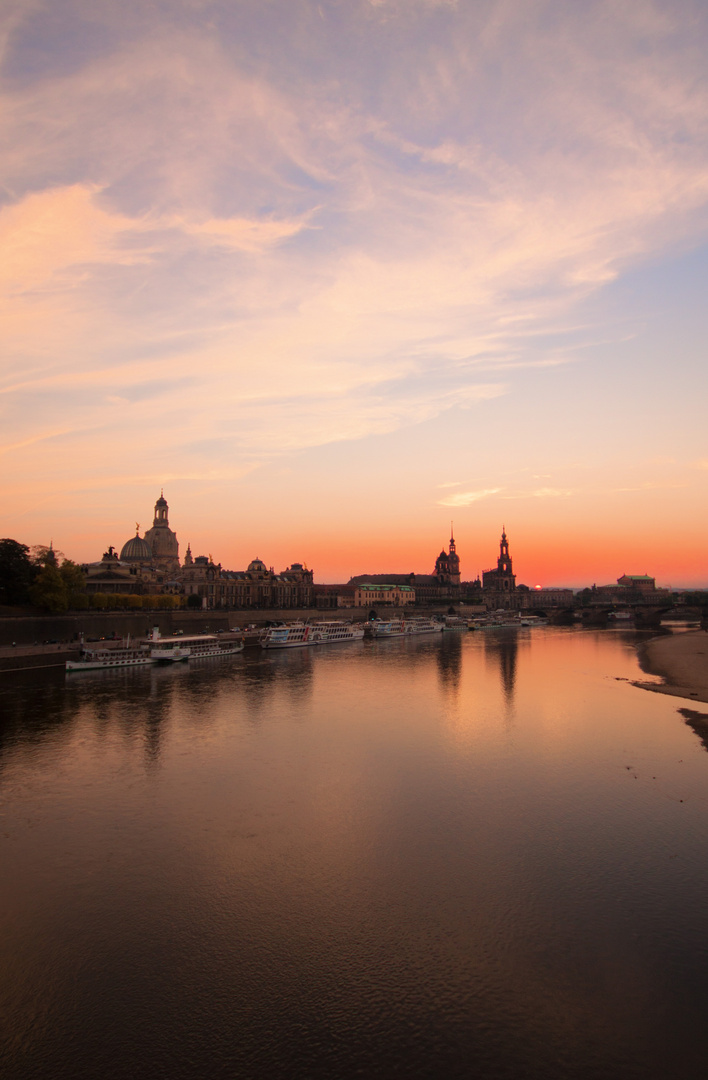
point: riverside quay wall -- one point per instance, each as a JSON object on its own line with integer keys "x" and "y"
{"x": 32, "y": 629}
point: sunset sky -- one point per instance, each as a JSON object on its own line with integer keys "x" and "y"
{"x": 335, "y": 273}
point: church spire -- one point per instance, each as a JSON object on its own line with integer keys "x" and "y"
{"x": 504, "y": 560}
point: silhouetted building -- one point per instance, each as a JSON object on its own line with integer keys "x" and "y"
{"x": 113, "y": 575}
{"x": 549, "y": 598}
{"x": 329, "y": 597}
{"x": 499, "y": 584}
{"x": 630, "y": 589}
{"x": 442, "y": 586}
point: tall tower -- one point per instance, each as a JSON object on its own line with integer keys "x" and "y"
{"x": 164, "y": 544}
{"x": 453, "y": 561}
{"x": 504, "y": 560}
{"x": 447, "y": 565}
{"x": 500, "y": 584}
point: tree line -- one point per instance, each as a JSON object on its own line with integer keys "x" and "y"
{"x": 43, "y": 578}
{"x": 39, "y": 576}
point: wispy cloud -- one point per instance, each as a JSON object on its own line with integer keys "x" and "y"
{"x": 223, "y": 224}
{"x": 466, "y": 498}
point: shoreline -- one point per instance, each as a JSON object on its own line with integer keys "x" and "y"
{"x": 681, "y": 660}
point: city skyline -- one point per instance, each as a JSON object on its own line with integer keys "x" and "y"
{"x": 334, "y": 274}
{"x": 181, "y": 554}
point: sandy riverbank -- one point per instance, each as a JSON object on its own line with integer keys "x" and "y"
{"x": 681, "y": 660}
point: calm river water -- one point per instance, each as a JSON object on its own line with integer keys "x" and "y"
{"x": 464, "y": 855}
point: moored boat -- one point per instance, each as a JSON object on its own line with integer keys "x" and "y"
{"x": 169, "y": 650}
{"x": 93, "y": 659}
{"x": 299, "y": 634}
{"x": 155, "y": 650}
{"x": 201, "y": 646}
{"x": 417, "y": 624}
{"x": 496, "y": 621}
{"x": 423, "y": 626}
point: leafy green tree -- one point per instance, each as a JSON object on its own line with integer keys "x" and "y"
{"x": 99, "y": 601}
{"x": 16, "y": 572}
{"x": 194, "y": 601}
{"x": 49, "y": 591}
{"x": 75, "y": 582}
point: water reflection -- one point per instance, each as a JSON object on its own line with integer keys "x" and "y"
{"x": 342, "y": 862}
{"x": 140, "y": 703}
{"x": 449, "y": 662}
{"x": 501, "y": 648}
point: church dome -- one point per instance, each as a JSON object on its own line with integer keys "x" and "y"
{"x": 136, "y": 550}
{"x": 257, "y": 565}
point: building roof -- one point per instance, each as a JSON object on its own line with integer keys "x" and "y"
{"x": 136, "y": 550}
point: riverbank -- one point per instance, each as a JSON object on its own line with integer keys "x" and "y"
{"x": 681, "y": 660}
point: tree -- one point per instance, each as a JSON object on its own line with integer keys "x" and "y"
{"x": 75, "y": 583}
{"x": 16, "y": 572}
{"x": 49, "y": 591}
{"x": 194, "y": 600}
{"x": 46, "y": 556}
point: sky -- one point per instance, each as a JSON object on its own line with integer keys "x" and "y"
{"x": 336, "y": 274}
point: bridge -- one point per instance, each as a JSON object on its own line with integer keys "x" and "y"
{"x": 643, "y": 613}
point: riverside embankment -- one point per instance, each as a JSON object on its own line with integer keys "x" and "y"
{"x": 31, "y": 640}
{"x": 681, "y": 660}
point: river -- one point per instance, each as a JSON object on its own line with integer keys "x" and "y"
{"x": 480, "y": 854}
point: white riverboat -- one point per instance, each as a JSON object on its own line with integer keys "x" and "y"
{"x": 195, "y": 647}
{"x": 299, "y": 635}
{"x": 496, "y": 621}
{"x": 155, "y": 650}
{"x": 423, "y": 626}
{"x": 92, "y": 659}
{"x": 386, "y": 628}
{"x": 169, "y": 650}
{"x": 208, "y": 645}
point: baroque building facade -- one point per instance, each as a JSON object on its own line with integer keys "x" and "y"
{"x": 151, "y": 564}
{"x": 499, "y": 583}
{"x": 442, "y": 586}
